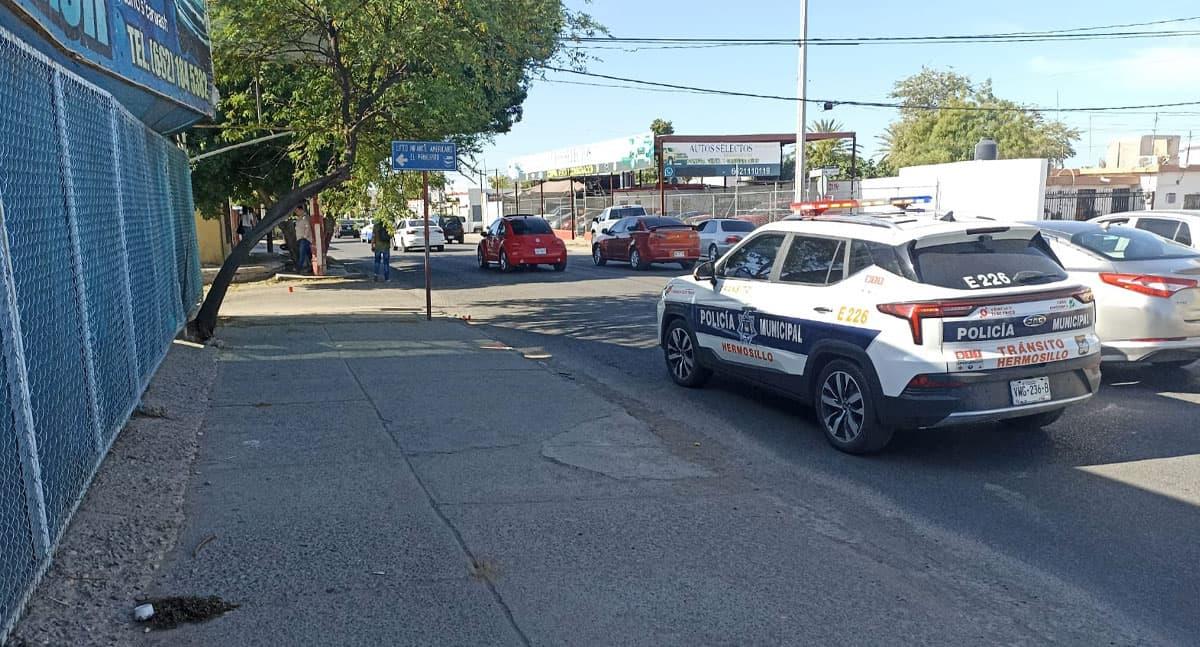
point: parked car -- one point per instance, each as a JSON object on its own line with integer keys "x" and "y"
{"x": 367, "y": 233}
{"x": 410, "y": 234}
{"x": 521, "y": 241}
{"x": 889, "y": 323}
{"x": 452, "y": 228}
{"x": 347, "y": 229}
{"x": 647, "y": 239}
{"x": 611, "y": 215}
{"x": 719, "y": 235}
{"x": 1146, "y": 289}
{"x": 1181, "y": 225}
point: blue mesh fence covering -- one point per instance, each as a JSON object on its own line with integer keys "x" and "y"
{"x": 99, "y": 271}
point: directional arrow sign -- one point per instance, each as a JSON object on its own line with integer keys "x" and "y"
{"x": 424, "y": 156}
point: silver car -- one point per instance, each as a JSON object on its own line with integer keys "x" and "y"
{"x": 1148, "y": 302}
{"x": 719, "y": 235}
{"x": 1174, "y": 224}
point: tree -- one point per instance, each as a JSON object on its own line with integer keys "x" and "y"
{"x": 831, "y": 153}
{"x": 662, "y": 127}
{"x": 944, "y": 116}
{"x": 345, "y": 77}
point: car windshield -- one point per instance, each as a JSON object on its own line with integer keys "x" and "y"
{"x": 627, "y": 212}
{"x": 662, "y": 223}
{"x": 987, "y": 262}
{"x": 737, "y": 225}
{"x": 523, "y": 226}
{"x": 1128, "y": 244}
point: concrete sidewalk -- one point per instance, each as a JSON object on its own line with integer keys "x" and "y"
{"x": 382, "y": 480}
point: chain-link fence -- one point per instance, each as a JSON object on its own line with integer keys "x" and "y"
{"x": 98, "y": 270}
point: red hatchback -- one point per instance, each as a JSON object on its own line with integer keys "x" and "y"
{"x": 521, "y": 241}
{"x": 648, "y": 239}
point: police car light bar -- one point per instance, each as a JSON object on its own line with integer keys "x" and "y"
{"x": 895, "y": 202}
{"x": 818, "y": 207}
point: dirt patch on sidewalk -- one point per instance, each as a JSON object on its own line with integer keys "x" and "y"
{"x": 129, "y": 519}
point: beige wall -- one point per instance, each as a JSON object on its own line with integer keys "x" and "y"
{"x": 213, "y": 247}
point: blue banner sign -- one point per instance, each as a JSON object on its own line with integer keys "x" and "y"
{"x": 159, "y": 46}
{"x": 424, "y": 156}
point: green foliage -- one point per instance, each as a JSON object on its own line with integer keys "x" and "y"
{"x": 346, "y": 77}
{"x": 931, "y": 131}
{"x": 662, "y": 127}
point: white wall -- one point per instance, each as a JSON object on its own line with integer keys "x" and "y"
{"x": 999, "y": 189}
{"x": 1180, "y": 183}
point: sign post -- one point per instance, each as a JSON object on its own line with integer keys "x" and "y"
{"x": 425, "y": 157}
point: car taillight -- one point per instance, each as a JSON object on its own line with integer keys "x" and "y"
{"x": 917, "y": 313}
{"x": 1155, "y": 286}
{"x": 934, "y": 381}
{"x": 729, "y": 240}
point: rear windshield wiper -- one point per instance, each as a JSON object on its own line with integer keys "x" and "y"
{"x": 1029, "y": 276}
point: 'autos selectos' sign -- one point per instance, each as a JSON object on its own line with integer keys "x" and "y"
{"x": 158, "y": 45}
{"x": 696, "y": 159}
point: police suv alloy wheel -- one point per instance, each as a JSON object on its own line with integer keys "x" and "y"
{"x": 679, "y": 350}
{"x": 845, "y": 409}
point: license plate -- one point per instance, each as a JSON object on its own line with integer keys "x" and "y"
{"x": 679, "y": 254}
{"x": 540, "y": 251}
{"x": 1034, "y": 389}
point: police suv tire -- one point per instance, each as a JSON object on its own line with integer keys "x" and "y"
{"x": 844, "y": 399}
{"x": 598, "y": 256}
{"x": 1034, "y": 422}
{"x": 635, "y": 260}
{"x": 680, "y": 350}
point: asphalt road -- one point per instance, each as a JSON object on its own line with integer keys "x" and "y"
{"x": 1105, "y": 500}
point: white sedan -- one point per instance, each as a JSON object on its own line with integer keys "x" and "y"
{"x": 410, "y": 234}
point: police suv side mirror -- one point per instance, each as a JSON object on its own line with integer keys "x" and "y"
{"x": 705, "y": 272}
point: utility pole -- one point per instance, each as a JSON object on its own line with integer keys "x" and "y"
{"x": 801, "y": 91}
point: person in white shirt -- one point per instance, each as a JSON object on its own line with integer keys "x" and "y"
{"x": 304, "y": 234}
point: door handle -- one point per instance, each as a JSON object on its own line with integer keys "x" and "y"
{"x": 823, "y": 310}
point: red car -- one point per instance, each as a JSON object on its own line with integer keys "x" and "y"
{"x": 521, "y": 241}
{"x": 648, "y": 239}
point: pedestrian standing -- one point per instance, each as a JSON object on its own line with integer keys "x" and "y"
{"x": 245, "y": 224}
{"x": 381, "y": 241}
{"x": 304, "y": 234}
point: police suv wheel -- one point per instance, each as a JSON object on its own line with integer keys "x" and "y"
{"x": 846, "y": 409}
{"x": 679, "y": 350}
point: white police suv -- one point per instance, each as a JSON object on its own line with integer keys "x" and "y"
{"x": 890, "y": 322}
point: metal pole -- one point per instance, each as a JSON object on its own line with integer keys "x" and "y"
{"x": 542, "y": 196}
{"x": 318, "y": 243}
{"x": 428, "y": 282}
{"x": 517, "y": 184}
{"x": 662, "y": 196}
{"x": 571, "y": 182}
{"x": 802, "y": 87}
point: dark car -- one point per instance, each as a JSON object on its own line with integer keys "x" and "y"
{"x": 347, "y": 228}
{"x": 645, "y": 240}
{"x": 452, "y": 227}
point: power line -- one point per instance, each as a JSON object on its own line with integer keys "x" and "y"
{"x": 863, "y": 104}
{"x": 1055, "y": 35}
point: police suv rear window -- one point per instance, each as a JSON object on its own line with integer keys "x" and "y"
{"x": 987, "y": 262}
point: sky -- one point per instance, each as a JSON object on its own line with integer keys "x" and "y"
{"x": 1066, "y": 74}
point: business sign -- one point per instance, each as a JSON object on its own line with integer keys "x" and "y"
{"x": 696, "y": 159}
{"x": 161, "y": 46}
{"x": 424, "y": 156}
{"x": 633, "y": 153}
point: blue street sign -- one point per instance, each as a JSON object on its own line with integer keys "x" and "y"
{"x": 424, "y": 156}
